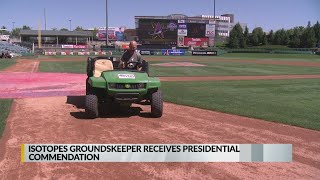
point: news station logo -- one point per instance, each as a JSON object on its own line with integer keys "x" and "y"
{"x": 182, "y": 26}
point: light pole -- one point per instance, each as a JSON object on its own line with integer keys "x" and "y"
{"x": 215, "y": 27}
{"x": 13, "y": 25}
{"x": 70, "y": 24}
{"x": 107, "y": 37}
{"x": 45, "y": 19}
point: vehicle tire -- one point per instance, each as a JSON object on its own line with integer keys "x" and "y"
{"x": 92, "y": 106}
{"x": 156, "y": 104}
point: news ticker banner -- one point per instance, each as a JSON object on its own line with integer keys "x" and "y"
{"x": 156, "y": 153}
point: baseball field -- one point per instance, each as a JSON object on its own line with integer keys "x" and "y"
{"x": 234, "y": 98}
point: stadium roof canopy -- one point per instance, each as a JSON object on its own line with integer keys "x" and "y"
{"x": 56, "y": 33}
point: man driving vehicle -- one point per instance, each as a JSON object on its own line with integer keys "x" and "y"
{"x": 131, "y": 59}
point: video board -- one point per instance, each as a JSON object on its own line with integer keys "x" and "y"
{"x": 196, "y": 30}
{"x": 157, "y": 31}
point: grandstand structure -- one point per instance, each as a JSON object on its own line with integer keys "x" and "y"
{"x": 50, "y": 38}
{"x": 6, "y": 47}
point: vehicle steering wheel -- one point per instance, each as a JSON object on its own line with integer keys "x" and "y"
{"x": 131, "y": 65}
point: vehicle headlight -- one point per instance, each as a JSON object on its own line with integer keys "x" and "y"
{"x": 112, "y": 85}
{"x": 127, "y": 86}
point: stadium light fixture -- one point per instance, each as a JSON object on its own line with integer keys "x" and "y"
{"x": 214, "y": 18}
{"x": 107, "y": 38}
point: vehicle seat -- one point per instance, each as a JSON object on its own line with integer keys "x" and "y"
{"x": 101, "y": 65}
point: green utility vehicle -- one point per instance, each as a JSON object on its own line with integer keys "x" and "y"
{"x": 109, "y": 86}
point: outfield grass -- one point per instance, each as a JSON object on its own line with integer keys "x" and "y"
{"x": 5, "y": 105}
{"x": 6, "y": 63}
{"x": 267, "y": 56}
{"x": 232, "y": 69}
{"x": 212, "y": 69}
{"x": 293, "y": 102}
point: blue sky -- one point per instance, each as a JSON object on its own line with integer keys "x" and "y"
{"x": 271, "y": 14}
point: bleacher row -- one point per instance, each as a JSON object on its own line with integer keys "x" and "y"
{"x": 6, "y": 47}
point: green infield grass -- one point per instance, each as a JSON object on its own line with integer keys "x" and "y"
{"x": 4, "y": 63}
{"x": 231, "y": 69}
{"x": 212, "y": 69}
{"x": 293, "y": 102}
{"x": 66, "y": 67}
{"x": 268, "y": 56}
{"x": 5, "y": 105}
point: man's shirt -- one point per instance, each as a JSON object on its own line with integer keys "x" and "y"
{"x": 135, "y": 57}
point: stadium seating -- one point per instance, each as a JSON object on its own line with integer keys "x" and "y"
{"x": 12, "y": 48}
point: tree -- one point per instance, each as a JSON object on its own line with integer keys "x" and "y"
{"x": 264, "y": 39}
{"x": 15, "y": 32}
{"x": 245, "y": 40}
{"x": 308, "y": 38}
{"x": 281, "y": 37}
{"x": 25, "y": 27}
{"x": 78, "y": 28}
{"x": 257, "y": 36}
{"x": 64, "y": 29}
{"x": 236, "y": 35}
{"x": 270, "y": 37}
{"x": 54, "y": 29}
{"x": 316, "y": 29}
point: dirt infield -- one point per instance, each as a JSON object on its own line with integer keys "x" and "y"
{"x": 61, "y": 120}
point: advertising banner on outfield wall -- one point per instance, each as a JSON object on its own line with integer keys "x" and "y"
{"x": 66, "y": 53}
{"x": 70, "y": 46}
{"x": 67, "y": 46}
{"x": 195, "y": 41}
{"x": 173, "y": 52}
{"x": 182, "y": 26}
{"x": 211, "y": 41}
{"x": 80, "y": 46}
{"x": 146, "y": 52}
{"x": 180, "y": 41}
{"x": 182, "y": 32}
{"x": 114, "y": 34}
{"x": 204, "y": 53}
{"x": 210, "y": 30}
